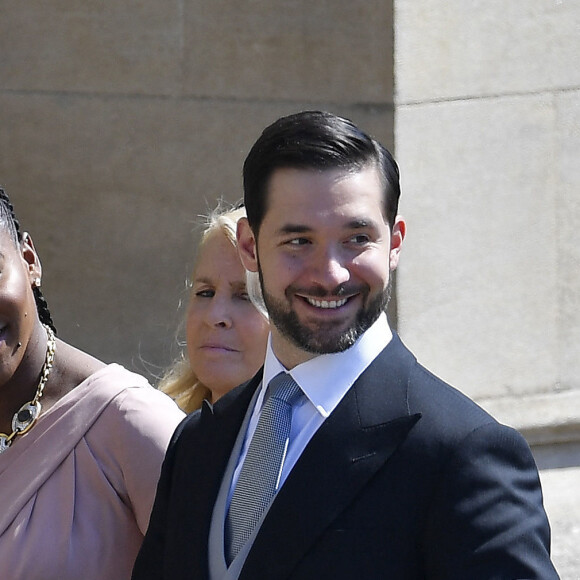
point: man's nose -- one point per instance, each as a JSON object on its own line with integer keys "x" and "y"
{"x": 330, "y": 269}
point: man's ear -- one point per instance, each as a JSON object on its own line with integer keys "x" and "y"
{"x": 397, "y": 237}
{"x": 247, "y": 245}
{"x": 31, "y": 259}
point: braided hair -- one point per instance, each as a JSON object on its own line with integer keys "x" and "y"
{"x": 11, "y": 224}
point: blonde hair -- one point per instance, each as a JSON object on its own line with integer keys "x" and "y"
{"x": 180, "y": 381}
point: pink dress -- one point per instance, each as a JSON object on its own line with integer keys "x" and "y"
{"x": 78, "y": 488}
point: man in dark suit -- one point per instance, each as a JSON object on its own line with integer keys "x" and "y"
{"x": 386, "y": 471}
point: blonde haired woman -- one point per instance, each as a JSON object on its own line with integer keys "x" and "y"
{"x": 226, "y": 332}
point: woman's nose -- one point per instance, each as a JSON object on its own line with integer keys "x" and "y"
{"x": 218, "y": 314}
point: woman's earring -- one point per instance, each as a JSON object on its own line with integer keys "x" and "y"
{"x": 36, "y": 282}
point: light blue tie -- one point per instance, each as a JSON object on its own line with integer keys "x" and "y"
{"x": 260, "y": 474}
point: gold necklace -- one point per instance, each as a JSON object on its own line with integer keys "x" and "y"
{"x": 27, "y": 415}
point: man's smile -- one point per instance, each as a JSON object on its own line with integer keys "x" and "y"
{"x": 331, "y": 304}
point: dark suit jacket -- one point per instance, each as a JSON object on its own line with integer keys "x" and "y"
{"x": 407, "y": 479}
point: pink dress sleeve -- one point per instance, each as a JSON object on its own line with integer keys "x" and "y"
{"x": 129, "y": 441}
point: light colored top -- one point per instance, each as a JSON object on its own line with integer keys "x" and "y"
{"x": 78, "y": 488}
{"x": 324, "y": 380}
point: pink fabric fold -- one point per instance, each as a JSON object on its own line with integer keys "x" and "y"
{"x": 78, "y": 488}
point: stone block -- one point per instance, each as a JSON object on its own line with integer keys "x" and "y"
{"x": 334, "y": 51}
{"x": 478, "y": 276}
{"x": 133, "y": 46}
{"x": 460, "y": 49}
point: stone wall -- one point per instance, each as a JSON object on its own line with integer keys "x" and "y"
{"x": 123, "y": 121}
{"x": 488, "y": 139}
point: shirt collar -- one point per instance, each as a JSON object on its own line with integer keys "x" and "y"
{"x": 325, "y": 379}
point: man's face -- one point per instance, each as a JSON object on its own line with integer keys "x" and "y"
{"x": 324, "y": 254}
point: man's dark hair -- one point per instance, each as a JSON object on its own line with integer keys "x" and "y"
{"x": 315, "y": 140}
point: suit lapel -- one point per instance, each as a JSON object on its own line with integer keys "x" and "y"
{"x": 352, "y": 444}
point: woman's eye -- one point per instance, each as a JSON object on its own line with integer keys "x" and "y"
{"x": 205, "y": 293}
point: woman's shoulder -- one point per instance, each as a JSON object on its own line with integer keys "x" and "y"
{"x": 134, "y": 399}
{"x": 136, "y": 421}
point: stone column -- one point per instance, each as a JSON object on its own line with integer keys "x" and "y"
{"x": 488, "y": 139}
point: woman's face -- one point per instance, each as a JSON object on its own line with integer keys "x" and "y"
{"x": 18, "y": 267}
{"x": 226, "y": 335}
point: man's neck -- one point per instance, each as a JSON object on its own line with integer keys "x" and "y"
{"x": 287, "y": 353}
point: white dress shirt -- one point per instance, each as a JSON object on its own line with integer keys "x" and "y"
{"x": 324, "y": 381}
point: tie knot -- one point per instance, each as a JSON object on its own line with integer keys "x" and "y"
{"x": 284, "y": 388}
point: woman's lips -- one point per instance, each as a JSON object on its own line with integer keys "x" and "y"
{"x": 218, "y": 347}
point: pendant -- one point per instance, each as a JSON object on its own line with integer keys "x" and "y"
{"x": 25, "y": 417}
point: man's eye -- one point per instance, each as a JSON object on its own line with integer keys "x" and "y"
{"x": 359, "y": 239}
{"x": 298, "y": 242}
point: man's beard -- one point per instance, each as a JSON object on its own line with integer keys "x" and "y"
{"x": 325, "y": 338}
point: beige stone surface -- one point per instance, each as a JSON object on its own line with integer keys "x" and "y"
{"x": 335, "y": 51}
{"x": 459, "y": 49}
{"x": 488, "y": 139}
{"x": 568, "y": 235}
{"x": 560, "y": 488}
{"x": 544, "y": 420}
{"x": 339, "y": 52}
{"x": 131, "y": 46}
{"x": 478, "y": 278}
{"x": 122, "y": 122}
{"x": 111, "y": 188}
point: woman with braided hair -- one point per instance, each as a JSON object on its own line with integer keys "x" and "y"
{"x": 81, "y": 442}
